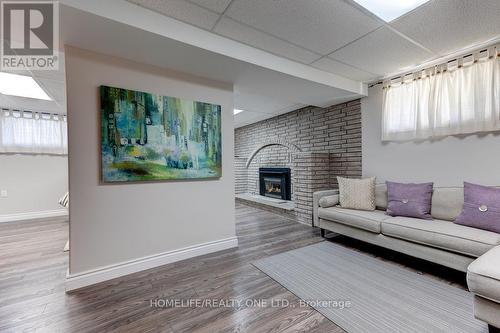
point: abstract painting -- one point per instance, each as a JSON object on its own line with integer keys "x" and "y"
{"x": 147, "y": 137}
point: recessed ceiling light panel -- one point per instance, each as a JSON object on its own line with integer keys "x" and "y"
{"x": 22, "y": 86}
{"x": 389, "y": 10}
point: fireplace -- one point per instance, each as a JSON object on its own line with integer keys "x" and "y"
{"x": 275, "y": 183}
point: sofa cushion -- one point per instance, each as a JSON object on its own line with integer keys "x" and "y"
{"x": 441, "y": 234}
{"x": 481, "y": 207}
{"x": 409, "y": 199}
{"x": 447, "y": 203}
{"x": 381, "y": 196}
{"x": 329, "y": 201}
{"x": 366, "y": 220}
{"x": 357, "y": 193}
{"x": 483, "y": 275}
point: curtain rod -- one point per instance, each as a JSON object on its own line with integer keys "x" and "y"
{"x": 429, "y": 67}
{"x": 32, "y": 112}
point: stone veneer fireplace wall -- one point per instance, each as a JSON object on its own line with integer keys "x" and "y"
{"x": 317, "y": 144}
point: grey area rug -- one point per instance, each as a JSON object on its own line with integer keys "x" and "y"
{"x": 383, "y": 296}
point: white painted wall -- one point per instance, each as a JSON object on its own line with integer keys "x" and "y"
{"x": 448, "y": 161}
{"x": 34, "y": 184}
{"x": 120, "y": 224}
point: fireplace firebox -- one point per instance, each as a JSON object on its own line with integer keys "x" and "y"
{"x": 275, "y": 183}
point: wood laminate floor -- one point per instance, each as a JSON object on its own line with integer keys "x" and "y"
{"x": 33, "y": 269}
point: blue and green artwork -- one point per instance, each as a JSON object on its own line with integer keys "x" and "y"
{"x": 147, "y": 137}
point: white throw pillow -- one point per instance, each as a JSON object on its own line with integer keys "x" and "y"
{"x": 357, "y": 193}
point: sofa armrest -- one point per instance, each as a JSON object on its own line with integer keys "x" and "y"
{"x": 316, "y": 196}
{"x": 483, "y": 275}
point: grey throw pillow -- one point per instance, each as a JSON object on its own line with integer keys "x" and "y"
{"x": 329, "y": 201}
{"x": 357, "y": 193}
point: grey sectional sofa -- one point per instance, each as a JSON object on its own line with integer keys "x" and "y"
{"x": 466, "y": 249}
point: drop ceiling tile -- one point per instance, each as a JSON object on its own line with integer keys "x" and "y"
{"x": 31, "y": 104}
{"x": 336, "y": 67}
{"x": 55, "y": 89}
{"x": 245, "y": 34}
{"x": 52, "y": 74}
{"x": 446, "y": 26}
{"x": 289, "y": 108}
{"x": 57, "y": 75}
{"x": 320, "y": 25}
{"x": 182, "y": 11}
{"x": 248, "y": 117}
{"x": 258, "y": 103}
{"x": 216, "y": 5}
{"x": 381, "y": 52}
{"x": 259, "y": 107}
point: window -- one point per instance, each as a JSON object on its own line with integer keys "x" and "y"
{"x": 452, "y": 99}
{"x": 32, "y": 133}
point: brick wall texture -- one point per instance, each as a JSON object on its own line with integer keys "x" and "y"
{"x": 329, "y": 140}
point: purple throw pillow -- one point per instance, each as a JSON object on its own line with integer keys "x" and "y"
{"x": 481, "y": 208}
{"x": 412, "y": 200}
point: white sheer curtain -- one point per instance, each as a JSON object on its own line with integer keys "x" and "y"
{"x": 32, "y": 133}
{"x": 444, "y": 101}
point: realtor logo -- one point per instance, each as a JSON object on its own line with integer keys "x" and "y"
{"x": 30, "y": 35}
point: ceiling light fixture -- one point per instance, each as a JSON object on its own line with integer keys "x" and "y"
{"x": 22, "y": 86}
{"x": 389, "y": 10}
{"x": 236, "y": 111}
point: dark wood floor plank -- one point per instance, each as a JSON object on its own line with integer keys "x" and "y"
{"x": 33, "y": 269}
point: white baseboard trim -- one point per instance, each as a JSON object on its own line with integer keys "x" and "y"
{"x": 84, "y": 279}
{"x": 33, "y": 215}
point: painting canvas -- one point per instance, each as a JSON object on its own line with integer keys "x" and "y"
{"x": 147, "y": 137}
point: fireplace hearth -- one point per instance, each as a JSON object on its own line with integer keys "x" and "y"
{"x": 275, "y": 183}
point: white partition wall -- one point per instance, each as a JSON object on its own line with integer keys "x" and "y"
{"x": 122, "y": 228}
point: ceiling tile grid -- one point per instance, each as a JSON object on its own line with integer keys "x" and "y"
{"x": 339, "y": 36}
{"x": 321, "y": 26}
{"x": 218, "y": 6}
{"x": 53, "y": 82}
{"x": 381, "y": 52}
{"x": 239, "y": 32}
{"x": 334, "y": 66}
{"x": 250, "y": 117}
{"x": 258, "y": 107}
{"x": 446, "y": 26}
{"x": 257, "y": 103}
{"x": 182, "y": 10}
